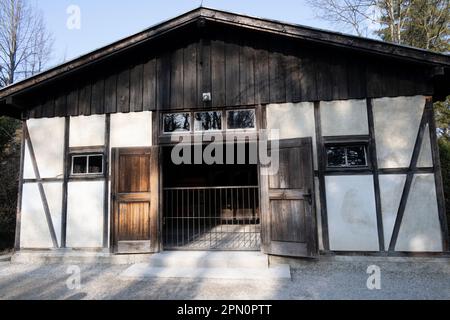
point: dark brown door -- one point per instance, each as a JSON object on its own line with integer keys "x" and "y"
{"x": 135, "y": 200}
{"x": 288, "y": 220}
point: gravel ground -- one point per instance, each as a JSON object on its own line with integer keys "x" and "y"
{"x": 310, "y": 281}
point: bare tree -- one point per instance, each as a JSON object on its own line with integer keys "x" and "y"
{"x": 25, "y": 43}
{"x": 345, "y": 14}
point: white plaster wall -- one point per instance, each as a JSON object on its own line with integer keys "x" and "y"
{"x": 34, "y": 230}
{"x": 391, "y": 189}
{"x": 85, "y": 214}
{"x": 87, "y": 131}
{"x": 47, "y": 136}
{"x": 420, "y": 229}
{"x": 397, "y": 122}
{"x": 344, "y": 117}
{"x": 131, "y": 129}
{"x": 425, "y": 159}
{"x": 293, "y": 120}
{"x": 352, "y": 221}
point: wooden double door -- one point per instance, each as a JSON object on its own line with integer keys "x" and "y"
{"x": 286, "y": 201}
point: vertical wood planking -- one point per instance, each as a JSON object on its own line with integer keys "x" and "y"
{"x": 218, "y": 73}
{"x": 136, "y": 88}
{"x": 149, "y": 79}
{"x": 72, "y": 103}
{"x": 232, "y": 73}
{"x": 98, "y": 97}
{"x": 123, "y": 91}
{"x": 293, "y": 86}
{"x": 247, "y": 73}
{"x": 48, "y": 108}
{"x": 176, "y": 79}
{"x": 261, "y": 72}
{"x": 190, "y": 76}
{"x": 324, "y": 77}
{"x": 204, "y": 69}
{"x": 61, "y": 105}
{"x": 339, "y": 77}
{"x": 307, "y": 77}
{"x": 84, "y": 99}
{"x": 111, "y": 94}
{"x": 163, "y": 84}
{"x": 277, "y": 69}
{"x": 356, "y": 77}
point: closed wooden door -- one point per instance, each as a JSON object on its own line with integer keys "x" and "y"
{"x": 288, "y": 219}
{"x": 135, "y": 200}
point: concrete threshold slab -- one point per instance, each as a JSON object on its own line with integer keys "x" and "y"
{"x": 199, "y": 259}
{"x": 145, "y": 271}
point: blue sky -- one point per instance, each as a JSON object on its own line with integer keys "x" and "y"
{"x": 105, "y": 21}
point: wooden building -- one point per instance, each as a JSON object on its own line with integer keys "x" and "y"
{"x": 359, "y": 168}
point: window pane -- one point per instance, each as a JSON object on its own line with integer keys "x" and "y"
{"x": 356, "y": 156}
{"x": 336, "y": 156}
{"x": 242, "y": 119}
{"x": 177, "y": 122}
{"x": 79, "y": 165}
{"x": 95, "y": 164}
{"x": 205, "y": 121}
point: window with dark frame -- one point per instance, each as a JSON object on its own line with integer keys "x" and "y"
{"x": 347, "y": 156}
{"x": 202, "y": 121}
{"x": 241, "y": 119}
{"x": 87, "y": 164}
{"x": 177, "y": 122}
{"x": 208, "y": 121}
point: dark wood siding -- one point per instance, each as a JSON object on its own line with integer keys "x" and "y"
{"x": 239, "y": 68}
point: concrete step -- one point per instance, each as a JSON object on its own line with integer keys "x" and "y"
{"x": 145, "y": 271}
{"x": 205, "y": 259}
{"x": 188, "y": 259}
{"x": 76, "y": 257}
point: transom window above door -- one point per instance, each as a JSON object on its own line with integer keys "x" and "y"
{"x": 177, "y": 122}
{"x": 208, "y": 121}
{"x": 241, "y": 119}
{"x": 204, "y": 121}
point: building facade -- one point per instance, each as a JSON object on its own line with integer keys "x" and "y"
{"x": 359, "y": 169}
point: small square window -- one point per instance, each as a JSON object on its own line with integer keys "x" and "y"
{"x": 346, "y": 156}
{"x": 177, "y": 122}
{"x": 241, "y": 119}
{"x": 208, "y": 121}
{"x": 87, "y": 164}
{"x": 95, "y": 165}
{"x": 79, "y": 165}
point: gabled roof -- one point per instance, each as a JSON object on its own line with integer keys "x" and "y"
{"x": 232, "y": 19}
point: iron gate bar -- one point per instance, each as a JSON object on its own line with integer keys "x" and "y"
{"x": 223, "y": 218}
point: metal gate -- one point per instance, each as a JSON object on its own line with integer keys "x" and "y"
{"x": 212, "y": 218}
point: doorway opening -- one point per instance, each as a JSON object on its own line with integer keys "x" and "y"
{"x": 210, "y": 207}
